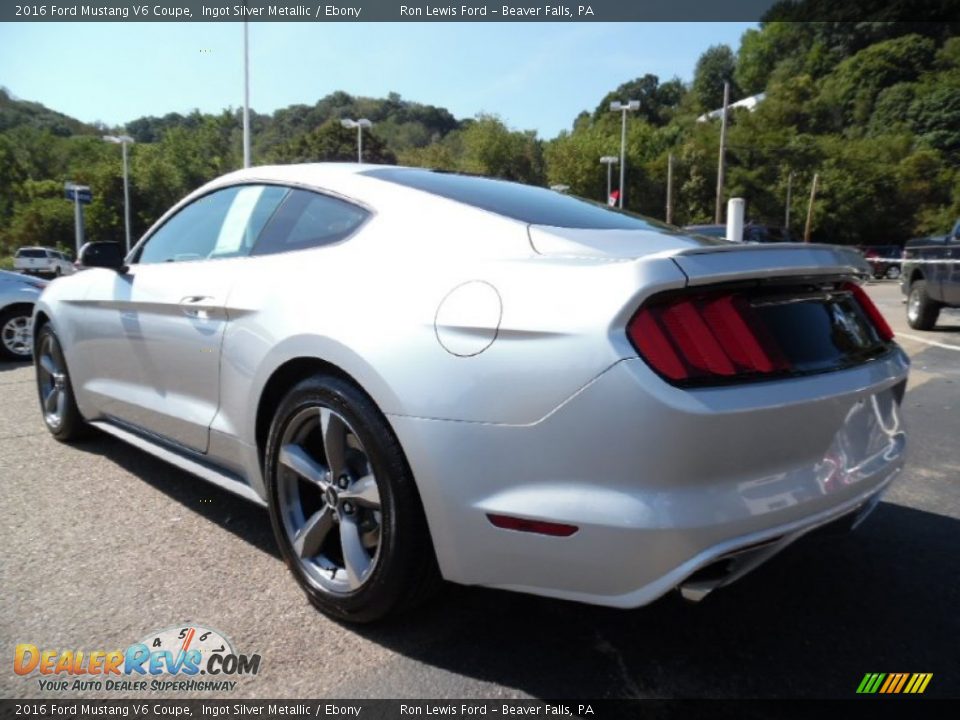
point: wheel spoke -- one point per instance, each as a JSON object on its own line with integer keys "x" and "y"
{"x": 363, "y": 492}
{"x": 355, "y": 557}
{"x": 46, "y": 362}
{"x": 61, "y": 403}
{"x": 334, "y": 441}
{"x": 310, "y": 538}
{"x": 296, "y": 458}
{"x": 56, "y": 353}
{"x": 51, "y": 401}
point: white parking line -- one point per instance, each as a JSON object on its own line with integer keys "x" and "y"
{"x": 929, "y": 342}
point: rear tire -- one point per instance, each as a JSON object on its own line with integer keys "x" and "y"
{"x": 343, "y": 504}
{"x": 922, "y": 311}
{"x": 57, "y": 402}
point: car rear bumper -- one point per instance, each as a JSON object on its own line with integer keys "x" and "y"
{"x": 659, "y": 482}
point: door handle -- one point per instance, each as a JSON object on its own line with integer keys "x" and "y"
{"x": 195, "y": 306}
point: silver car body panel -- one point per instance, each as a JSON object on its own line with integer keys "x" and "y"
{"x": 521, "y": 397}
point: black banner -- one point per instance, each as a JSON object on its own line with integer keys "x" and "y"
{"x": 873, "y": 708}
{"x": 480, "y": 11}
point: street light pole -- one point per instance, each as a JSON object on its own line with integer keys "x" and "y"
{"x": 123, "y": 141}
{"x": 609, "y": 161}
{"x": 126, "y": 194}
{"x": 359, "y": 125}
{"x": 246, "y": 94}
{"x": 617, "y": 106}
{"x": 78, "y": 222}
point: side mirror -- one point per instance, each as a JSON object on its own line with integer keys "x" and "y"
{"x": 102, "y": 254}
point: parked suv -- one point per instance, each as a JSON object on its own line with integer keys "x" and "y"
{"x": 42, "y": 261}
{"x": 931, "y": 277}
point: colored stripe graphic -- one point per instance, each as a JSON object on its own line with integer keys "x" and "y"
{"x": 892, "y": 680}
{"x": 894, "y": 683}
{"x": 903, "y": 680}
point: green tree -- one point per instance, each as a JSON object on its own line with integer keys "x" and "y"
{"x": 715, "y": 67}
{"x": 331, "y": 142}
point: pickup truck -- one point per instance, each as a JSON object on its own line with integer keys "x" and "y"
{"x": 930, "y": 277}
{"x": 42, "y": 261}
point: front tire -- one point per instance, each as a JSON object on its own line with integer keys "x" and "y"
{"x": 57, "y": 401}
{"x": 343, "y": 503}
{"x": 922, "y": 311}
{"x": 893, "y": 272}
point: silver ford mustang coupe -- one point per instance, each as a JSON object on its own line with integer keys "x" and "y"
{"x": 426, "y": 375}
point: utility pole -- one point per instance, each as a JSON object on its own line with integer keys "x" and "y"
{"x": 718, "y": 210}
{"x": 786, "y": 219}
{"x": 813, "y": 197}
{"x": 670, "y": 189}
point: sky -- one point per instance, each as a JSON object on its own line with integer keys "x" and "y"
{"x": 535, "y": 76}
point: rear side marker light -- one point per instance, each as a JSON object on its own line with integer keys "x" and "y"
{"x": 880, "y": 323}
{"x": 540, "y": 527}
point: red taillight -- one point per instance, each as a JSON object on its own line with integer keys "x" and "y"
{"x": 880, "y": 323}
{"x": 541, "y": 527}
{"x": 692, "y": 338}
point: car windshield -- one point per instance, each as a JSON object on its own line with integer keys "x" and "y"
{"x": 529, "y": 204}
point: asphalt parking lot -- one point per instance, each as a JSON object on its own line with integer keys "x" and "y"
{"x": 103, "y": 544}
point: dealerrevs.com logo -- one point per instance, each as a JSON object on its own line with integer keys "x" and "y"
{"x": 184, "y": 658}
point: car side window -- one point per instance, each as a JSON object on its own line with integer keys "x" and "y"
{"x": 223, "y": 224}
{"x": 308, "y": 219}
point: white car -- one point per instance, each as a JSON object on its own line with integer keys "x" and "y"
{"x": 42, "y": 261}
{"x": 425, "y": 373}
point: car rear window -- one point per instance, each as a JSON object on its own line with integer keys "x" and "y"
{"x": 31, "y": 253}
{"x": 534, "y": 205}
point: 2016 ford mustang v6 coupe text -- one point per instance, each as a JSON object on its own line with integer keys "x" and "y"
{"x": 429, "y": 375}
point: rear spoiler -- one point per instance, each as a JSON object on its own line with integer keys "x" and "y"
{"x": 740, "y": 262}
{"x": 703, "y": 260}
